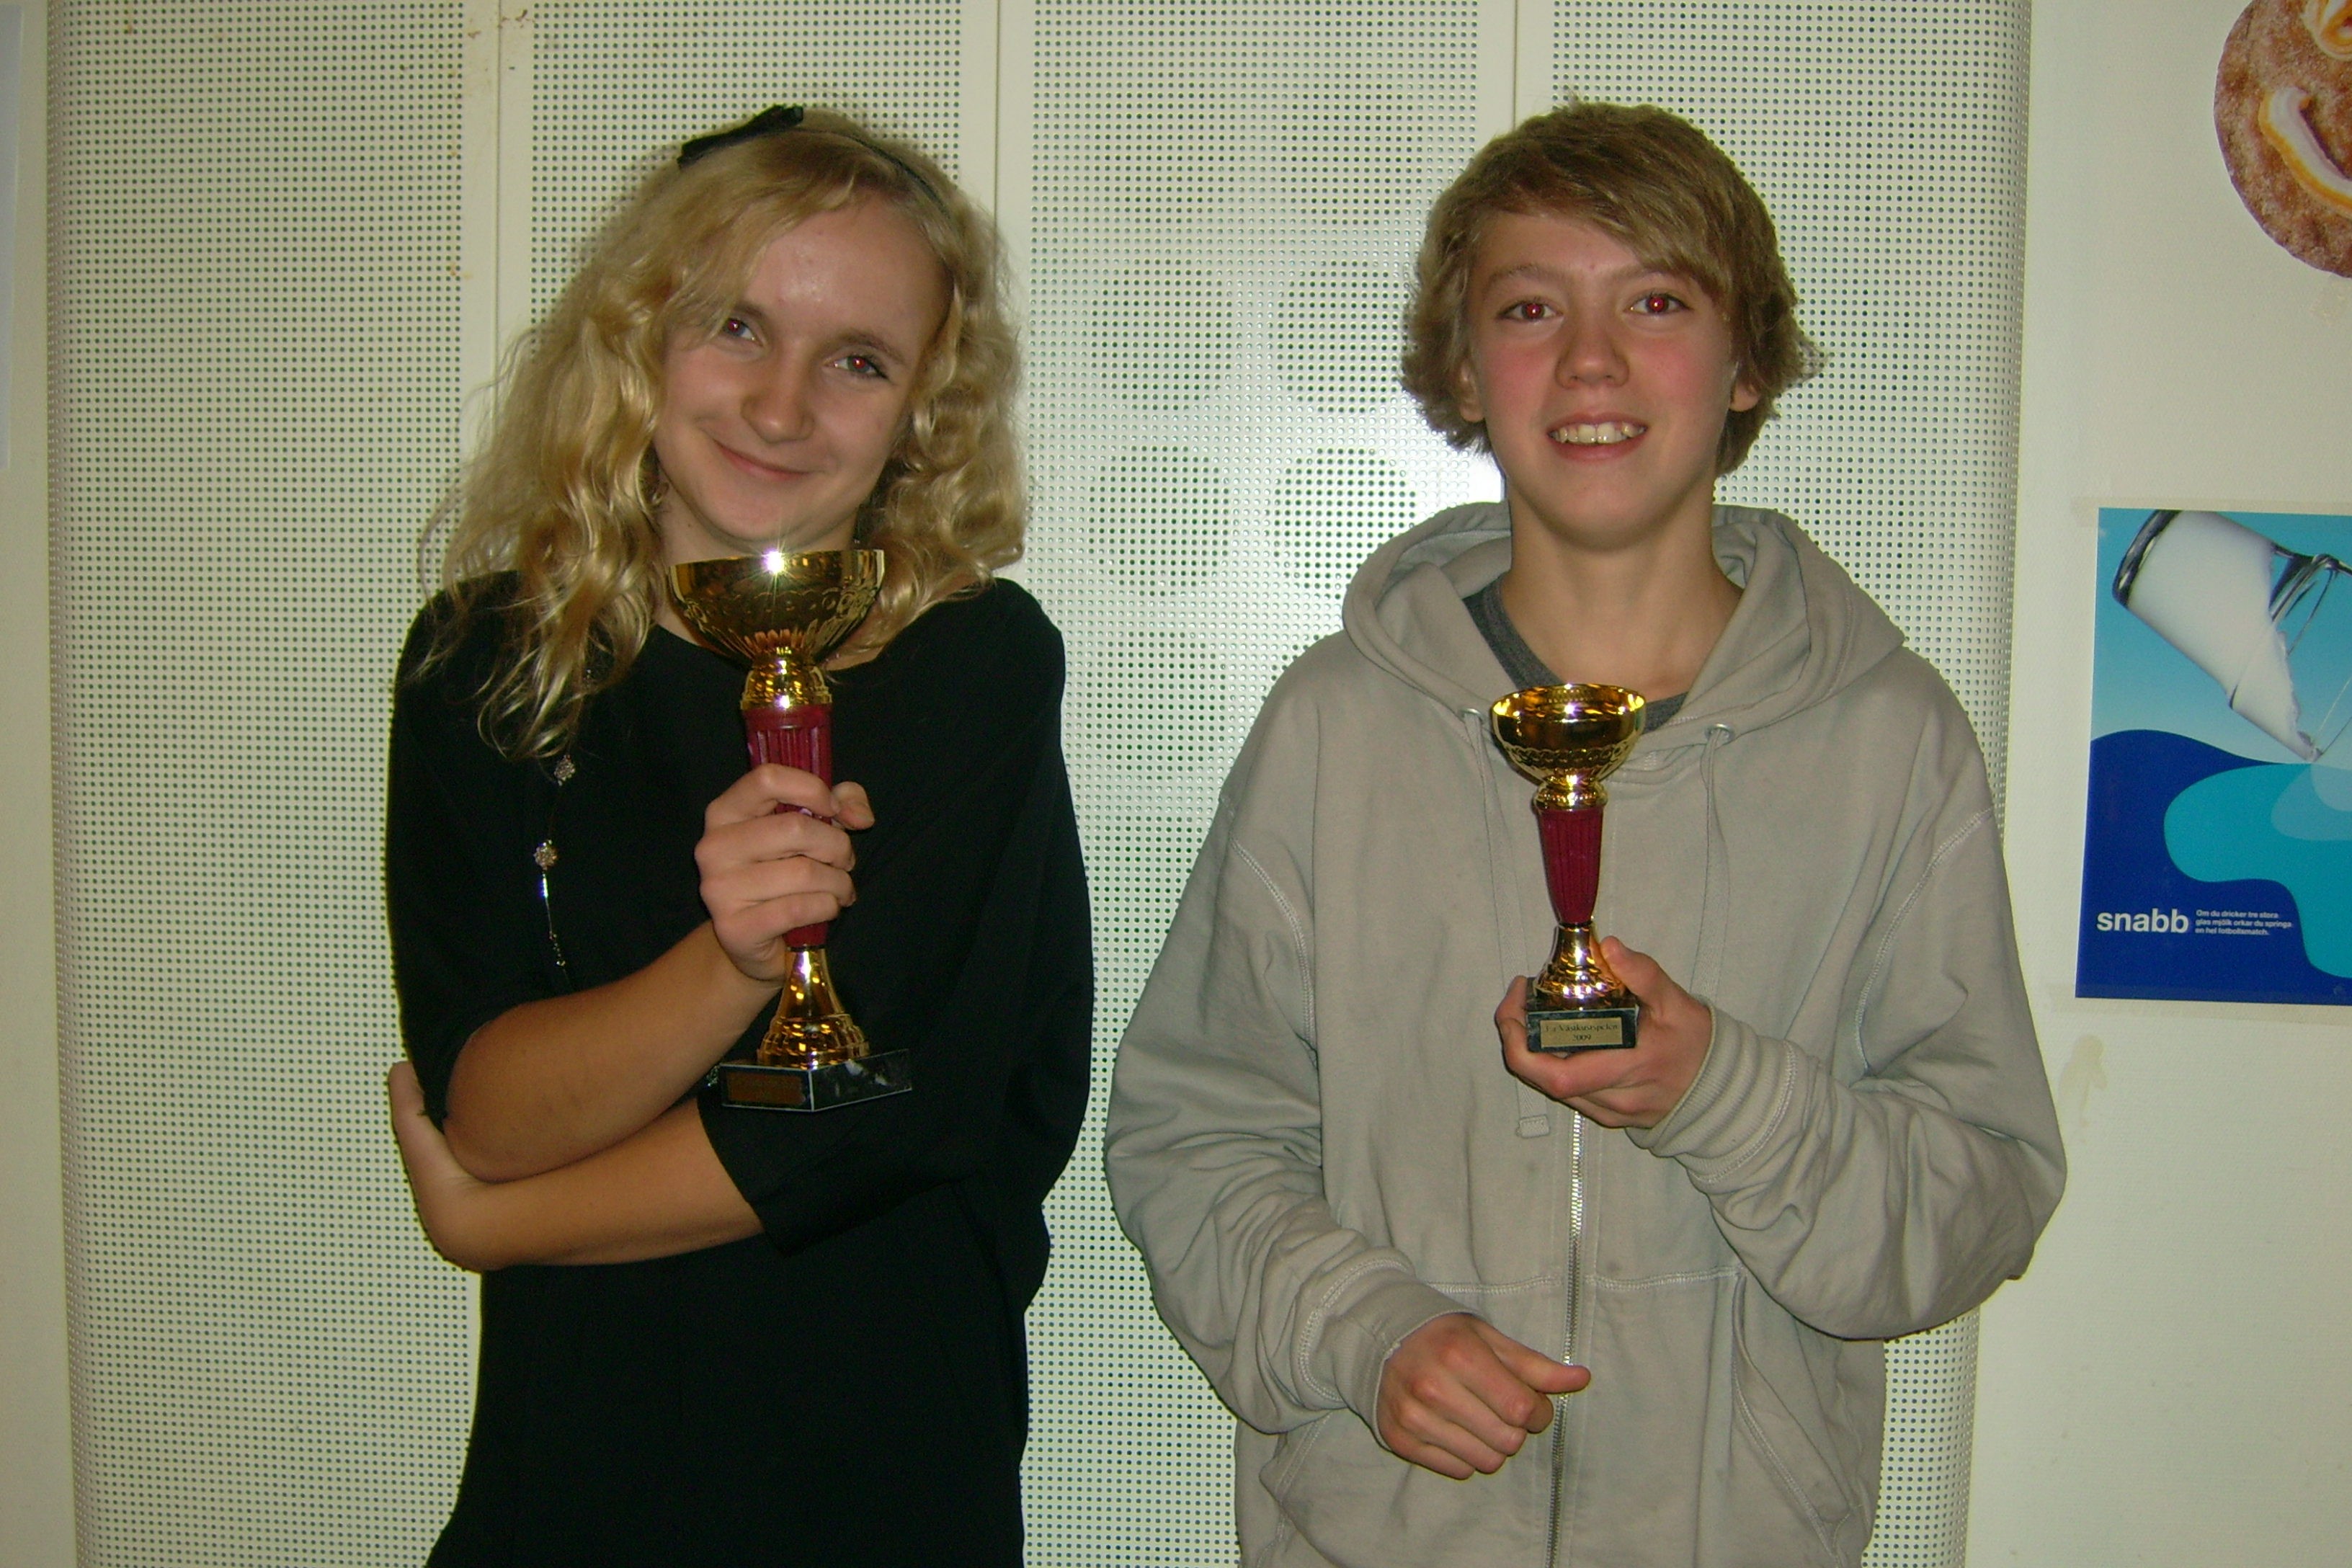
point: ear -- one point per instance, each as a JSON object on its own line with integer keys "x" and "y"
{"x": 1744, "y": 396}
{"x": 1467, "y": 404}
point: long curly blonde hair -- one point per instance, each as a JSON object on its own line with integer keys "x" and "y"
{"x": 556, "y": 516}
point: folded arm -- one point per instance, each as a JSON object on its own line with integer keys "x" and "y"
{"x": 659, "y": 1192}
{"x": 550, "y": 1081}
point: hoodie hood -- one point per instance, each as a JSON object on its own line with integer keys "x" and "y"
{"x": 1802, "y": 631}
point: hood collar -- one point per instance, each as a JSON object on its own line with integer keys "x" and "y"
{"x": 1801, "y": 633}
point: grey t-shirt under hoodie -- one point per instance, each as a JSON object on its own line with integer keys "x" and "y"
{"x": 1520, "y": 663}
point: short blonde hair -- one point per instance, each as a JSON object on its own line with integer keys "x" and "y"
{"x": 1655, "y": 182}
{"x": 563, "y": 498}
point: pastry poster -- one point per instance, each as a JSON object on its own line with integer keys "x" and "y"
{"x": 2283, "y": 108}
{"x": 2217, "y": 864}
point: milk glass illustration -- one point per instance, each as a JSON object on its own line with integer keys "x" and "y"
{"x": 2273, "y": 626}
{"x": 2217, "y": 850}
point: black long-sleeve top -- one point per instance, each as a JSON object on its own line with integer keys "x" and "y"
{"x": 852, "y": 1384}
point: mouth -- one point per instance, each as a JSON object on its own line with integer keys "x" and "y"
{"x": 1596, "y": 433}
{"x": 754, "y": 467}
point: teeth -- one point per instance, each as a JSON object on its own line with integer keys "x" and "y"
{"x": 1606, "y": 433}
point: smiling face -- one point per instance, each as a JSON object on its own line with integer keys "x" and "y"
{"x": 1602, "y": 383}
{"x": 775, "y": 427}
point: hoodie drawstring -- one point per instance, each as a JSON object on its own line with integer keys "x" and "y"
{"x": 1714, "y": 894}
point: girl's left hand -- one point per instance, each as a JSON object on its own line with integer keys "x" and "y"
{"x": 1636, "y": 1087}
{"x": 452, "y": 1203}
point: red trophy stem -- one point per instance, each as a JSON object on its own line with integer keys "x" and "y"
{"x": 1571, "y": 852}
{"x": 799, "y": 738}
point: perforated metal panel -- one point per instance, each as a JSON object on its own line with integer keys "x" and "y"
{"x": 254, "y": 404}
{"x": 1218, "y": 213}
{"x": 613, "y": 80}
{"x": 1923, "y": 1479}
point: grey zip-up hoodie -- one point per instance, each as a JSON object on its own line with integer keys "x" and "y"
{"x": 1315, "y": 1143}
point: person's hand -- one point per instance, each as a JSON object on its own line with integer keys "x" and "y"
{"x": 1460, "y": 1395}
{"x": 767, "y": 872}
{"x": 452, "y": 1203}
{"x": 1635, "y": 1088}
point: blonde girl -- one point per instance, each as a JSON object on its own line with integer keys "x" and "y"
{"x": 716, "y": 1335}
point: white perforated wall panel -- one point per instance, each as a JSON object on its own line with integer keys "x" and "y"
{"x": 1214, "y": 202}
{"x": 1217, "y": 213}
{"x": 255, "y": 402}
{"x": 613, "y": 80}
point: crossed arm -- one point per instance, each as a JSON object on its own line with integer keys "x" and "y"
{"x": 660, "y": 1191}
{"x": 568, "y": 1138}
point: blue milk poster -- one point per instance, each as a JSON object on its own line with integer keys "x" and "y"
{"x": 2217, "y": 864}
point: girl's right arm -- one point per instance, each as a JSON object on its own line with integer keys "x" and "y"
{"x": 527, "y": 1074}
{"x": 549, "y": 1082}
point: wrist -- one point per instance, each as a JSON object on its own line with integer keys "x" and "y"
{"x": 728, "y": 979}
{"x": 1742, "y": 1089}
{"x": 469, "y": 1224}
{"x": 1359, "y": 1335}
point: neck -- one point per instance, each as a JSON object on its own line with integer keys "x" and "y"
{"x": 1645, "y": 616}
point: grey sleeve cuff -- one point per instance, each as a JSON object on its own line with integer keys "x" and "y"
{"x": 1744, "y": 1094}
{"x": 1357, "y": 1338}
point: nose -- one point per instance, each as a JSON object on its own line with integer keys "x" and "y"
{"x": 776, "y": 403}
{"x": 1589, "y": 353}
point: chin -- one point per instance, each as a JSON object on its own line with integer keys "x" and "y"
{"x": 756, "y": 536}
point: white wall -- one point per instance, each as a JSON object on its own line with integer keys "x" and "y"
{"x": 2171, "y": 1384}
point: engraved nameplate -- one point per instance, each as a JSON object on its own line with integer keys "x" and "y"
{"x": 1581, "y": 1034}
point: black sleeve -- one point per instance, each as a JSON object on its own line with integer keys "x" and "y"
{"x": 468, "y": 938}
{"x": 969, "y": 943}
{"x": 1046, "y": 1100}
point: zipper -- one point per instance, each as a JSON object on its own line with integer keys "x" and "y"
{"x": 1475, "y": 725}
{"x": 1568, "y": 1330}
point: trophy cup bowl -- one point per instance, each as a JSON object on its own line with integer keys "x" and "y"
{"x": 783, "y": 614}
{"x": 1567, "y": 738}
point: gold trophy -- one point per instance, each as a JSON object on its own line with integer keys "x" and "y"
{"x": 782, "y": 614}
{"x": 1567, "y": 738}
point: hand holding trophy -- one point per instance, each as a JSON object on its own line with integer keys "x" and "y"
{"x": 1569, "y": 738}
{"x": 783, "y": 613}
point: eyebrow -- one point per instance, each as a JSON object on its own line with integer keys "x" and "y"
{"x": 1539, "y": 272}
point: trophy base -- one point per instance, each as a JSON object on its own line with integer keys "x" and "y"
{"x": 753, "y": 1086}
{"x": 1564, "y": 1031}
